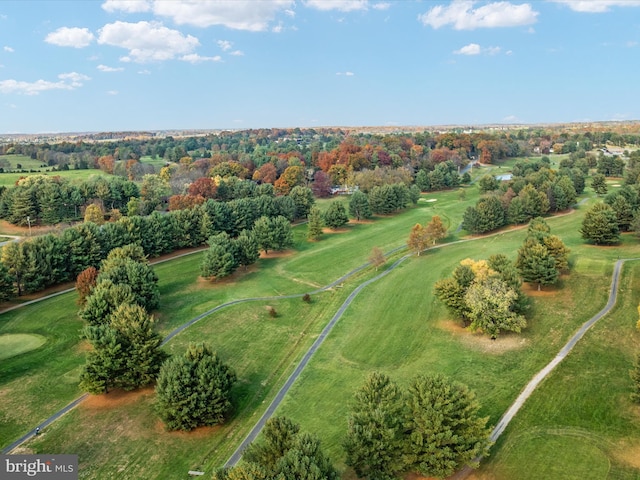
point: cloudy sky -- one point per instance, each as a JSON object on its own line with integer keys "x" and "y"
{"x": 76, "y": 66}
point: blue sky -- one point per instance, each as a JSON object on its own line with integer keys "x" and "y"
{"x": 114, "y": 65}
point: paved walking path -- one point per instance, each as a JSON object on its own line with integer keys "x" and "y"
{"x": 500, "y": 427}
{"x": 184, "y": 326}
{"x": 542, "y": 374}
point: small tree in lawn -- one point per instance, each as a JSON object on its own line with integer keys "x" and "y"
{"x": 315, "y": 224}
{"x": 194, "y": 389}
{"x": 377, "y": 258}
{"x": 336, "y": 215}
{"x": 418, "y": 239}
{"x": 435, "y": 230}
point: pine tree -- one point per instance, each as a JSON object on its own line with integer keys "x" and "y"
{"x": 374, "y": 443}
{"x": 315, "y": 224}
{"x": 359, "y": 205}
{"x": 7, "y": 286}
{"x": 444, "y": 431}
{"x": 218, "y": 262}
{"x": 194, "y": 389}
{"x": 536, "y": 264}
{"x": 246, "y": 249}
{"x": 105, "y": 362}
{"x": 600, "y": 225}
{"x": 336, "y": 215}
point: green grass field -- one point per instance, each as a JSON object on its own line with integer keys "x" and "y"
{"x": 579, "y": 424}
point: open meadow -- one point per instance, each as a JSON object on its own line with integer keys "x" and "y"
{"x": 581, "y": 412}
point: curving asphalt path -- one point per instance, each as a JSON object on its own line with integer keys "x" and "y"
{"x": 275, "y": 403}
{"x": 542, "y": 374}
{"x": 495, "y": 434}
{"x": 186, "y": 325}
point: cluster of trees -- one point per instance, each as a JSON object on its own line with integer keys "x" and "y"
{"x": 226, "y": 254}
{"x": 40, "y": 199}
{"x": 443, "y": 176}
{"x": 432, "y": 428}
{"x": 534, "y": 190}
{"x": 192, "y": 389}
{"x": 125, "y": 348}
{"x": 50, "y": 259}
{"x": 485, "y": 295}
{"x": 283, "y": 453}
{"x": 422, "y": 237}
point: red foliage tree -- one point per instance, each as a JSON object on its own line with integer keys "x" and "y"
{"x": 182, "y": 202}
{"x": 267, "y": 173}
{"x": 203, "y": 187}
{"x": 85, "y": 282}
{"x": 321, "y": 185}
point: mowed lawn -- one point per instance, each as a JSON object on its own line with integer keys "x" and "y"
{"x": 395, "y": 325}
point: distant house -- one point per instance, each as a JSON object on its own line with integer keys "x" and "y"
{"x": 505, "y": 177}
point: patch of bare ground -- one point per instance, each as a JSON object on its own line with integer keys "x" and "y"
{"x": 200, "y": 432}
{"x": 115, "y": 398}
{"x": 202, "y": 282}
{"x": 83, "y": 346}
{"x": 359, "y": 222}
{"x": 628, "y": 454}
{"x": 279, "y": 254}
{"x": 481, "y": 342}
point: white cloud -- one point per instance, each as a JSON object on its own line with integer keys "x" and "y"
{"x": 67, "y": 81}
{"x": 475, "y": 49}
{"x": 632, "y": 44}
{"x": 144, "y": 72}
{"x": 105, "y": 68}
{"x": 70, "y": 37}
{"x": 195, "y": 58}
{"x": 278, "y": 28}
{"x": 237, "y": 53}
{"x": 341, "y": 5}
{"x": 290, "y": 13}
{"x": 225, "y": 45}
{"x": 8, "y": 49}
{"x": 346, "y": 74}
{"x": 461, "y": 15}
{"x": 127, "y": 6}
{"x": 471, "y": 49}
{"x": 237, "y": 14}
{"x": 509, "y": 52}
{"x": 147, "y": 41}
{"x": 74, "y": 78}
{"x": 112, "y": 92}
{"x": 597, "y": 6}
{"x": 381, "y": 6}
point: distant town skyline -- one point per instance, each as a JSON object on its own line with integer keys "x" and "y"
{"x": 131, "y": 65}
